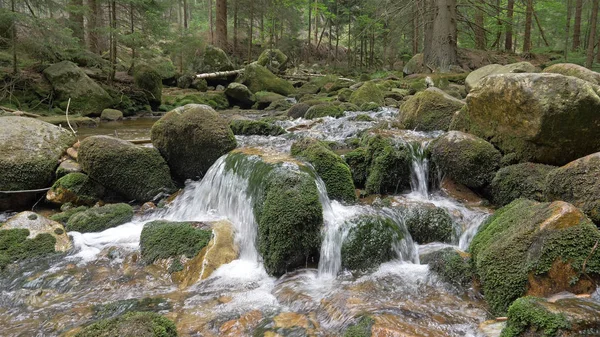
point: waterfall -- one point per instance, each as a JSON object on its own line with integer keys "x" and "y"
{"x": 419, "y": 170}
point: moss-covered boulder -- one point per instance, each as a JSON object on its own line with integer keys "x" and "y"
{"x": 538, "y": 249}
{"x": 240, "y": 95}
{"x": 368, "y": 92}
{"x": 139, "y": 324}
{"x": 247, "y": 127}
{"x": 29, "y": 153}
{"x": 370, "y": 242}
{"x": 258, "y": 78}
{"x": 66, "y": 212}
{"x": 16, "y": 245}
{"x": 66, "y": 167}
{"x": 525, "y": 180}
{"x": 213, "y": 60}
{"x": 553, "y": 118}
{"x": 344, "y": 95}
{"x": 495, "y": 69}
{"x": 264, "y": 99}
{"x": 427, "y": 223}
{"x": 415, "y": 66}
{"x": 466, "y": 159}
{"x": 330, "y": 167}
{"x": 575, "y": 70}
{"x": 429, "y": 110}
{"x": 37, "y": 225}
{"x": 578, "y": 182}
{"x": 97, "y": 219}
{"x": 205, "y": 134}
{"x": 214, "y": 99}
{"x": 324, "y": 110}
{"x": 75, "y": 188}
{"x": 273, "y": 59}
{"x": 70, "y": 81}
{"x": 286, "y": 207}
{"x": 111, "y": 115}
{"x": 135, "y": 172}
{"x": 451, "y": 266}
{"x": 298, "y": 110}
{"x": 567, "y": 317}
{"x": 149, "y": 82}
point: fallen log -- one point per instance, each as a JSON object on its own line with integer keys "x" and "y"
{"x": 220, "y": 74}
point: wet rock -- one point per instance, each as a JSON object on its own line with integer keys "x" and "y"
{"x": 150, "y": 82}
{"x": 98, "y": 219}
{"x": 69, "y": 81}
{"x": 578, "y": 182}
{"x": 553, "y": 118}
{"x": 251, "y": 127}
{"x": 244, "y": 325}
{"x": 240, "y": 95}
{"x": 264, "y": 99}
{"x": 495, "y": 69}
{"x": 344, "y": 95}
{"x": 575, "y": 70}
{"x": 331, "y": 168}
{"x": 185, "y": 81}
{"x": 429, "y": 110}
{"x": 466, "y": 159}
{"x": 36, "y": 225}
{"x": 29, "y": 153}
{"x": 538, "y": 249}
{"x": 66, "y": 167}
{"x": 362, "y": 328}
{"x": 368, "y": 92}
{"x": 135, "y": 172}
{"x": 526, "y": 180}
{"x": 111, "y": 115}
{"x": 273, "y": 59}
{"x": 206, "y": 134}
{"x": 75, "y": 188}
{"x": 258, "y": 78}
{"x": 67, "y": 211}
{"x": 298, "y": 110}
{"x": 139, "y": 324}
{"x": 460, "y": 192}
{"x": 324, "y": 110}
{"x": 452, "y": 266}
{"x": 428, "y": 223}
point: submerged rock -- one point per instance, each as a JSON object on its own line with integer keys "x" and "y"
{"x": 578, "y": 182}
{"x": 75, "y": 188}
{"x": 36, "y": 225}
{"x": 251, "y": 127}
{"x": 98, "y": 219}
{"x": 429, "y": 110}
{"x": 331, "y": 168}
{"x": 451, "y": 266}
{"x": 466, "y": 159}
{"x": 135, "y": 172}
{"x": 191, "y": 138}
{"x": 29, "y": 153}
{"x": 553, "y": 118}
{"x": 139, "y": 324}
{"x": 526, "y": 180}
{"x": 538, "y": 249}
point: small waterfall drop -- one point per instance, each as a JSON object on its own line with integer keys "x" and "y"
{"x": 419, "y": 170}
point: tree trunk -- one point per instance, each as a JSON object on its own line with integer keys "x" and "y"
{"x": 93, "y": 25}
{"x": 113, "y": 39}
{"x": 308, "y": 52}
{"x": 416, "y": 36}
{"x": 222, "y": 24}
{"x": 442, "y": 52}
{"x": 75, "y": 10}
{"x": 132, "y": 30}
{"x": 592, "y": 40}
{"x": 568, "y": 28}
{"x": 508, "y": 42}
{"x": 210, "y": 22}
{"x": 185, "y": 15}
{"x": 528, "y": 22}
{"x": 316, "y": 15}
{"x": 479, "y": 28}
{"x": 577, "y": 25}
{"x": 13, "y": 38}
{"x": 235, "y": 26}
{"x": 250, "y": 32}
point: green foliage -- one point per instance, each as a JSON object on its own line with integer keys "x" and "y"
{"x": 528, "y": 315}
{"x": 361, "y": 329}
{"x": 163, "y": 240}
{"x": 139, "y": 324}
{"x": 14, "y": 245}
{"x": 97, "y": 219}
{"x": 252, "y": 127}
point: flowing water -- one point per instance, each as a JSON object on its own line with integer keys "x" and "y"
{"x": 58, "y": 294}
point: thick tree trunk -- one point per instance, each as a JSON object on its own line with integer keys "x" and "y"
{"x": 592, "y": 40}
{"x": 250, "y": 31}
{"x": 416, "y": 36}
{"x": 308, "y": 52}
{"x": 235, "y": 25}
{"x": 222, "y": 24}
{"x": 443, "y": 52}
{"x": 13, "y": 38}
{"x": 75, "y": 10}
{"x": 113, "y": 39}
{"x": 528, "y": 22}
{"x": 210, "y": 22}
{"x": 429, "y": 13}
{"x": 577, "y": 25}
{"x": 508, "y": 42}
{"x": 480, "y": 38}
{"x": 93, "y": 26}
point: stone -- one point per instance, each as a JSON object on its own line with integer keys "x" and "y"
{"x": 495, "y": 69}
{"x": 429, "y": 110}
{"x": 66, "y": 167}
{"x": 575, "y": 70}
{"x": 368, "y": 92}
{"x": 111, "y": 115}
{"x": 98, "y": 219}
{"x": 246, "y": 127}
{"x": 525, "y": 180}
{"x": 298, "y": 110}
{"x": 213, "y": 60}
{"x": 273, "y": 59}
{"x": 75, "y": 188}
{"x": 240, "y": 95}
{"x": 258, "y": 78}
{"x": 149, "y": 82}
{"x": 324, "y": 110}
{"x": 37, "y": 224}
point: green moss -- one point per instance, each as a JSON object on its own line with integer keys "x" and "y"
{"x": 14, "y": 245}
{"x": 361, "y": 329}
{"x": 139, "y": 324}
{"x": 389, "y": 168}
{"x": 526, "y": 180}
{"x": 370, "y": 242}
{"x": 216, "y": 100}
{"x": 331, "y": 168}
{"x": 370, "y": 106}
{"x": 258, "y": 78}
{"x": 97, "y": 219}
{"x": 214, "y": 59}
{"x": 79, "y": 189}
{"x": 368, "y": 92}
{"x": 64, "y": 217}
{"x": 429, "y": 110}
{"x": 358, "y": 161}
{"x": 252, "y": 127}
{"x": 280, "y": 105}
{"x": 323, "y": 110}
{"x": 150, "y": 82}
{"x": 527, "y": 315}
{"x": 273, "y": 58}
{"x": 451, "y": 267}
{"x": 146, "y": 304}
{"x": 430, "y": 224}
{"x": 344, "y": 95}
{"x": 363, "y": 118}
{"x": 163, "y": 240}
{"x": 510, "y": 245}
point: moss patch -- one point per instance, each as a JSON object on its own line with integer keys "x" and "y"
{"x": 368, "y": 92}
{"x": 526, "y": 180}
{"x": 76, "y": 188}
{"x": 164, "y": 239}
{"x": 361, "y": 329}
{"x": 139, "y": 324}
{"x": 429, "y": 110}
{"x": 63, "y": 217}
{"x": 14, "y": 245}
{"x": 429, "y": 224}
{"x": 451, "y": 267}
{"x": 252, "y": 127}
{"x": 258, "y": 78}
{"x": 97, "y": 219}
{"x": 527, "y": 315}
{"x": 150, "y": 82}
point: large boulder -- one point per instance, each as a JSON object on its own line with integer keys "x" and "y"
{"x": 75, "y": 188}
{"x": 191, "y": 138}
{"x": 331, "y": 168}
{"x": 273, "y": 59}
{"x": 416, "y": 66}
{"x": 213, "y": 60}
{"x": 324, "y": 110}
{"x": 149, "y": 82}
{"x": 451, "y": 266}
{"x": 240, "y": 94}
{"x": 428, "y": 223}
{"x": 97, "y": 219}
{"x": 495, "y": 69}
{"x": 578, "y": 182}
{"x": 525, "y": 180}
{"x": 111, "y": 115}
{"x": 69, "y": 81}
{"x": 258, "y": 78}
{"x": 29, "y": 153}
{"x": 429, "y": 110}
{"x": 36, "y": 225}
{"x": 543, "y": 118}
{"x": 466, "y": 159}
{"x": 367, "y": 93}
{"x": 298, "y": 110}
{"x": 537, "y": 249}
{"x": 575, "y": 70}
{"x": 135, "y": 172}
